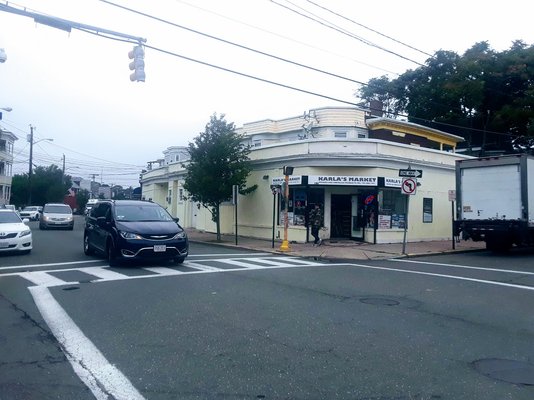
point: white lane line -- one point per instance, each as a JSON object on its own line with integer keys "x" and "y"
{"x": 41, "y": 278}
{"x": 466, "y": 267}
{"x": 101, "y": 377}
{"x": 48, "y": 265}
{"x": 461, "y": 278}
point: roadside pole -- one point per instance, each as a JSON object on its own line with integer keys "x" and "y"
{"x": 408, "y": 187}
{"x": 452, "y": 198}
{"x": 235, "y": 192}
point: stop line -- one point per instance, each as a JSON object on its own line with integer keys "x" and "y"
{"x": 104, "y": 273}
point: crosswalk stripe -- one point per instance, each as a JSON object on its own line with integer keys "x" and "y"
{"x": 104, "y": 273}
{"x": 200, "y": 266}
{"x": 163, "y": 270}
{"x": 43, "y": 279}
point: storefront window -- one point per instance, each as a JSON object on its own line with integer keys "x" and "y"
{"x": 392, "y": 210}
{"x": 299, "y": 204}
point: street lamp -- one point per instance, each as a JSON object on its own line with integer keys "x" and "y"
{"x": 3, "y": 56}
{"x": 30, "y": 170}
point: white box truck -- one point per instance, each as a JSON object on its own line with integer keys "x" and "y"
{"x": 495, "y": 200}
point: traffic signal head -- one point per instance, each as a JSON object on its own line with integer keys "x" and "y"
{"x": 137, "y": 54}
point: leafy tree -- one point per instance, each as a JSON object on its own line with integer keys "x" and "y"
{"x": 48, "y": 185}
{"x": 484, "y": 96}
{"x": 219, "y": 160}
{"x": 81, "y": 198}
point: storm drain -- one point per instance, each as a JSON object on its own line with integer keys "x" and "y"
{"x": 379, "y": 301}
{"x": 510, "y": 371}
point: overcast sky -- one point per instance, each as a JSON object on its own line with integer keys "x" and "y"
{"x": 75, "y": 87}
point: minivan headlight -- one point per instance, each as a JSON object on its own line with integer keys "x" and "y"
{"x": 180, "y": 235}
{"x": 130, "y": 235}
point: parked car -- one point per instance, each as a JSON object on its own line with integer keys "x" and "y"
{"x": 134, "y": 230}
{"x": 90, "y": 204}
{"x": 15, "y": 235}
{"x": 56, "y": 215}
{"x": 31, "y": 212}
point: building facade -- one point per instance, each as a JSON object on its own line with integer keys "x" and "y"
{"x": 344, "y": 159}
{"x": 7, "y": 141}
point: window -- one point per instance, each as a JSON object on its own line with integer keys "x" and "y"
{"x": 392, "y": 209}
{"x": 427, "y": 210}
{"x": 340, "y": 134}
{"x": 256, "y": 143}
{"x": 181, "y": 194}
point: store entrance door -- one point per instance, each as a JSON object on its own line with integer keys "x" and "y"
{"x": 357, "y": 220}
{"x": 340, "y": 216}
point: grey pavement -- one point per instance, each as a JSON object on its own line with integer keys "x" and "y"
{"x": 339, "y": 249}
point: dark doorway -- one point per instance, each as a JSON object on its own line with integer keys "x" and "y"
{"x": 340, "y": 216}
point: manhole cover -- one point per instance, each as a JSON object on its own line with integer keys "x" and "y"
{"x": 510, "y": 371}
{"x": 378, "y": 301}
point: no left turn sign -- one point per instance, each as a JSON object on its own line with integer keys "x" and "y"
{"x": 409, "y": 186}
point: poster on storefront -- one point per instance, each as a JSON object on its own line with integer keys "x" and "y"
{"x": 384, "y": 222}
{"x": 397, "y": 221}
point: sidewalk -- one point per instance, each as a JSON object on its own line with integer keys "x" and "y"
{"x": 339, "y": 249}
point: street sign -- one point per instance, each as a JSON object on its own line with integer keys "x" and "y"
{"x": 409, "y": 186}
{"x": 411, "y": 173}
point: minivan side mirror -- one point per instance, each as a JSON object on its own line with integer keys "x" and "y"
{"x": 101, "y": 222}
{"x": 176, "y": 219}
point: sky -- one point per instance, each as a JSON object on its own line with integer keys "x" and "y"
{"x": 75, "y": 88}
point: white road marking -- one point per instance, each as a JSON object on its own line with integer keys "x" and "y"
{"x": 465, "y": 266}
{"x": 41, "y": 278}
{"x": 163, "y": 271}
{"x": 461, "y": 278}
{"x": 228, "y": 255}
{"x": 48, "y": 265}
{"x": 95, "y": 371}
{"x": 103, "y": 273}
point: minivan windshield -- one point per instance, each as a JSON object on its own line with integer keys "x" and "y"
{"x": 137, "y": 213}
{"x": 57, "y": 209}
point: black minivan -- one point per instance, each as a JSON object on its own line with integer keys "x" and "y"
{"x": 134, "y": 230}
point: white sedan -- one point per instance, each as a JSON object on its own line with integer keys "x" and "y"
{"x": 15, "y": 235}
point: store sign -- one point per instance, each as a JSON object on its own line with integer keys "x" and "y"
{"x": 343, "y": 180}
{"x": 393, "y": 182}
{"x": 293, "y": 180}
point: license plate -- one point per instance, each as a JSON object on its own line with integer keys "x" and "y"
{"x": 4, "y": 244}
{"x": 160, "y": 248}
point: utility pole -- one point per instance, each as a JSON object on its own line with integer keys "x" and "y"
{"x": 30, "y": 139}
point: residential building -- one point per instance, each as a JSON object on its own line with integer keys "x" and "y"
{"x": 343, "y": 158}
{"x": 7, "y": 141}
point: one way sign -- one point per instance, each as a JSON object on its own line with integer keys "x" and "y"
{"x": 411, "y": 173}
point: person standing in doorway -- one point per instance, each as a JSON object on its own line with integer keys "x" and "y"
{"x": 316, "y": 222}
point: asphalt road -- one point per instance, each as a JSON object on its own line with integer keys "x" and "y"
{"x": 232, "y": 324}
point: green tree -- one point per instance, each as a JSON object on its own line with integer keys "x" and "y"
{"x": 484, "y": 96}
{"x": 219, "y": 160}
{"x": 81, "y": 199}
{"x": 48, "y": 185}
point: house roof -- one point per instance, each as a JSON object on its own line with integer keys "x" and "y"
{"x": 414, "y": 129}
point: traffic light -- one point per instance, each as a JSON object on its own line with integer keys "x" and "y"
{"x": 138, "y": 64}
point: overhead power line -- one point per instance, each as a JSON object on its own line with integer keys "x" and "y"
{"x": 327, "y": 51}
{"x": 263, "y": 53}
{"x": 340, "y": 30}
{"x": 370, "y": 29}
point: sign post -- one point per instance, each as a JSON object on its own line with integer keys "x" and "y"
{"x": 452, "y": 198}
{"x": 235, "y": 193}
{"x": 408, "y": 187}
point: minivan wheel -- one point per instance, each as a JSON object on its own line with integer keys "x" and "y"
{"x": 87, "y": 249}
{"x": 112, "y": 255}
{"x": 179, "y": 260}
